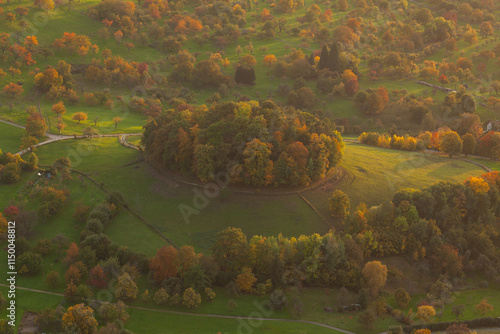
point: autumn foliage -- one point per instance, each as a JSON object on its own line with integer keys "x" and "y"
{"x": 275, "y": 158}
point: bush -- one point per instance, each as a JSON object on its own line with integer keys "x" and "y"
{"x": 29, "y": 262}
{"x": 94, "y": 225}
{"x": 101, "y": 213}
{"x": 161, "y": 297}
{"x": 53, "y": 279}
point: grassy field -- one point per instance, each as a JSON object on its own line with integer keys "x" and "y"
{"x": 31, "y": 301}
{"x": 155, "y": 322}
{"x": 10, "y": 137}
{"x": 374, "y": 174}
{"x": 378, "y": 172}
{"x": 157, "y": 199}
{"x": 493, "y": 164}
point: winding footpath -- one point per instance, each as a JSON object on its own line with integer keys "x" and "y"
{"x": 194, "y": 314}
{"x": 51, "y": 138}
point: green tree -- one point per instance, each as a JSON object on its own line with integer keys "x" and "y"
{"x": 257, "y": 164}
{"x": 458, "y": 310}
{"x": 204, "y": 164}
{"x": 207, "y": 72}
{"x": 230, "y": 251}
{"x": 468, "y": 144}
{"x": 402, "y": 298}
{"x": 29, "y": 262}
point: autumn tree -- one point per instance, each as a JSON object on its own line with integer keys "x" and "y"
{"x": 35, "y": 125}
{"x": 22, "y": 11}
{"x": 210, "y": 294}
{"x": 80, "y": 319}
{"x": 47, "y": 79}
{"x": 486, "y": 29}
{"x": 71, "y": 254}
{"x": 60, "y": 126}
{"x": 13, "y": 89}
{"x": 375, "y": 274}
{"x": 191, "y": 298}
{"x": 118, "y": 36}
{"x": 246, "y": 280}
{"x": 161, "y": 297}
{"x": 426, "y": 313}
{"x": 451, "y": 143}
{"x": 345, "y": 35}
{"x": 484, "y": 307}
{"x": 269, "y": 60}
{"x": 470, "y": 35}
{"x": 186, "y": 259}
{"x": 373, "y": 104}
{"x": 163, "y": 265}
{"x": 72, "y": 275}
{"x": 116, "y": 120}
{"x": 79, "y": 116}
{"x": 339, "y": 204}
{"x": 342, "y": 5}
{"x": 59, "y": 108}
{"x": 126, "y": 288}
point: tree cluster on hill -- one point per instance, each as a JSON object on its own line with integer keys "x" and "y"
{"x": 256, "y": 144}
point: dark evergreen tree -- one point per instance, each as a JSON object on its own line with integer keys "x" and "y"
{"x": 323, "y": 58}
{"x": 244, "y": 75}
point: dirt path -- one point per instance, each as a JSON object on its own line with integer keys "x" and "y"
{"x": 51, "y": 138}
{"x": 196, "y": 314}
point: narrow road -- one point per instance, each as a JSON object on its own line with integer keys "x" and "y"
{"x": 195, "y": 314}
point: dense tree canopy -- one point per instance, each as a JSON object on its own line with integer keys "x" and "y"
{"x": 256, "y": 144}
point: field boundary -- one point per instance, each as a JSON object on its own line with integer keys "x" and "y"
{"x": 207, "y": 315}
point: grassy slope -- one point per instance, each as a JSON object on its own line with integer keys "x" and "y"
{"x": 374, "y": 174}
{"x": 380, "y": 172}
{"x": 152, "y": 322}
{"x": 32, "y": 301}
{"x": 10, "y": 138}
{"x": 158, "y": 200}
